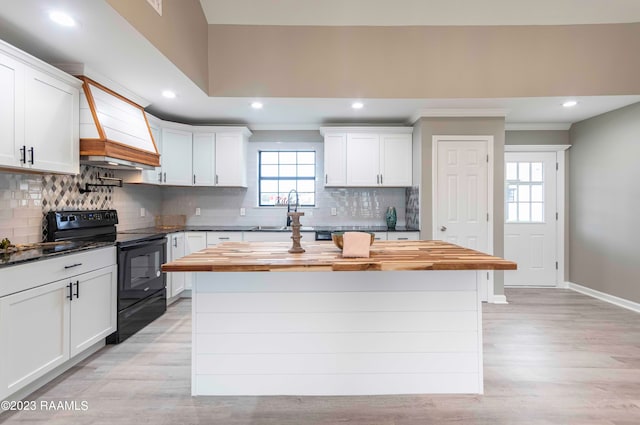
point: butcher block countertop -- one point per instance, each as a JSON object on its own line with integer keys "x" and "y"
{"x": 324, "y": 256}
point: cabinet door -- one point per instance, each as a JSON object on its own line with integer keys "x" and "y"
{"x": 193, "y": 242}
{"x": 335, "y": 160}
{"x": 363, "y": 160}
{"x": 231, "y": 160}
{"x": 34, "y": 330}
{"x": 155, "y": 176}
{"x": 177, "y": 278}
{"x": 177, "y": 157}
{"x": 380, "y": 236}
{"x": 52, "y": 124}
{"x": 396, "y": 160}
{"x": 204, "y": 159}
{"x": 11, "y": 111}
{"x": 94, "y": 308}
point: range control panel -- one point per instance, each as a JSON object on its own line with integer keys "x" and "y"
{"x": 64, "y": 220}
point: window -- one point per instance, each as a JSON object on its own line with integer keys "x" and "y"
{"x": 524, "y": 192}
{"x": 281, "y": 171}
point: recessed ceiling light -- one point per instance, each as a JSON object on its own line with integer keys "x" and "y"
{"x": 357, "y": 105}
{"x": 256, "y": 105}
{"x": 569, "y": 103}
{"x": 169, "y": 94}
{"x": 62, "y": 18}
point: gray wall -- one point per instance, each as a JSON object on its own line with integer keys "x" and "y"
{"x": 430, "y": 127}
{"x": 605, "y": 202}
{"x": 537, "y": 137}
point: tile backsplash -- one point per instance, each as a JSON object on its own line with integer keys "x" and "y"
{"x": 413, "y": 207}
{"x": 21, "y": 207}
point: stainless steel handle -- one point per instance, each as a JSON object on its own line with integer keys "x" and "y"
{"x": 443, "y": 228}
{"x": 73, "y": 265}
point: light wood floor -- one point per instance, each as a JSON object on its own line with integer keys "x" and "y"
{"x": 551, "y": 357}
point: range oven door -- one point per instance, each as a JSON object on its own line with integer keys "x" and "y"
{"x": 139, "y": 274}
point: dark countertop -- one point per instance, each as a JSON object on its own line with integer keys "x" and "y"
{"x": 173, "y": 229}
{"x": 36, "y": 254}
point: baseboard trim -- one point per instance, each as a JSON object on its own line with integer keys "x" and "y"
{"x": 499, "y": 299}
{"x": 611, "y": 299}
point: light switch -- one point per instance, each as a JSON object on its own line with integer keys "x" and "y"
{"x": 198, "y": 211}
{"x": 334, "y": 211}
{"x": 243, "y": 212}
{"x": 142, "y": 212}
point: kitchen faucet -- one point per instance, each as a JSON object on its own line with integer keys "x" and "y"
{"x": 295, "y": 206}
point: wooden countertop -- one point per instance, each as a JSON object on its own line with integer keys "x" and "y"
{"x": 324, "y": 256}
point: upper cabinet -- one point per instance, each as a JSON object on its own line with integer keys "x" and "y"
{"x": 39, "y": 115}
{"x": 196, "y": 156}
{"x": 367, "y": 156}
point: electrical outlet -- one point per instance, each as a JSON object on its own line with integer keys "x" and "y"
{"x": 334, "y": 211}
{"x": 198, "y": 211}
{"x": 142, "y": 212}
{"x": 243, "y": 212}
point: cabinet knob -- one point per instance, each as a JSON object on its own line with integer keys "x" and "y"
{"x": 443, "y": 228}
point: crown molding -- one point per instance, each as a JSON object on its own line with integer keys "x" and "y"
{"x": 535, "y": 126}
{"x": 457, "y": 113}
{"x": 291, "y": 127}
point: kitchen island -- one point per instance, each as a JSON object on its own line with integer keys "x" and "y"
{"x": 407, "y": 320}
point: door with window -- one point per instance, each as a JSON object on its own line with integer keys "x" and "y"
{"x": 530, "y": 218}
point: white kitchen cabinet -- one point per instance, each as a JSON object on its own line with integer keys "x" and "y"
{"x": 214, "y": 238}
{"x": 335, "y": 159}
{"x": 39, "y": 115}
{"x": 231, "y": 159}
{"x": 193, "y": 242}
{"x": 380, "y": 236}
{"x": 45, "y": 323}
{"x": 363, "y": 159}
{"x": 175, "y": 249}
{"x": 154, "y": 176}
{"x": 176, "y": 157}
{"x": 204, "y": 159}
{"x": 396, "y": 161}
{"x": 367, "y": 156}
{"x": 403, "y": 236}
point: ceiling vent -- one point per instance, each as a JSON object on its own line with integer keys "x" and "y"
{"x": 114, "y": 131}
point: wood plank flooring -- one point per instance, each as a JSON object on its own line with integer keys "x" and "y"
{"x": 552, "y": 357}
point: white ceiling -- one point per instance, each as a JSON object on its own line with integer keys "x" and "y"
{"x": 117, "y": 55}
{"x": 420, "y": 12}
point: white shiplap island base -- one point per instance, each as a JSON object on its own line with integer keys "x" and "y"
{"x": 410, "y": 330}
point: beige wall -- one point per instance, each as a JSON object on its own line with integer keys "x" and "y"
{"x": 429, "y": 62}
{"x": 537, "y": 137}
{"x": 180, "y": 33}
{"x": 605, "y": 202}
{"x": 430, "y": 127}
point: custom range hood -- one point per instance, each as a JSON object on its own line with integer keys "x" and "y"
{"x": 114, "y": 131}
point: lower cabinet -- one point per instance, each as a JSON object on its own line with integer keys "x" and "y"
{"x": 403, "y": 236}
{"x": 175, "y": 250}
{"x": 193, "y": 242}
{"x": 43, "y": 327}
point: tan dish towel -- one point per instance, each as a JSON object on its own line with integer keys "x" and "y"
{"x": 356, "y": 244}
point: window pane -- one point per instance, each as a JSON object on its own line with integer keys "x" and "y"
{"x": 306, "y": 170}
{"x": 284, "y": 186}
{"x": 536, "y": 193}
{"x": 524, "y": 193}
{"x": 269, "y": 185}
{"x": 306, "y": 157}
{"x": 269, "y": 171}
{"x": 269, "y": 157}
{"x": 512, "y": 193}
{"x": 512, "y": 171}
{"x": 523, "y": 211}
{"x": 536, "y": 212}
{"x": 512, "y": 211}
{"x": 287, "y": 170}
{"x": 523, "y": 171}
{"x": 306, "y": 185}
{"x": 307, "y": 199}
{"x": 536, "y": 171}
{"x": 268, "y": 198}
{"x": 287, "y": 157}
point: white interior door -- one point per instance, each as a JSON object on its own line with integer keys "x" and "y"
{"x": 461, "y": 197}
{"x": 531, "y": 218}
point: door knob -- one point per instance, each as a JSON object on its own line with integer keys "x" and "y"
{"x": 443, "y": 228}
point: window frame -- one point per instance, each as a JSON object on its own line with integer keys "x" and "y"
{"x": 294, "y": 179}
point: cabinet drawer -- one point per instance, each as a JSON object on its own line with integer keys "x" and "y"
{"x": 32, "y": 274}
{"x": 214, "y": 238}
{"x": 403, "y": 236}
